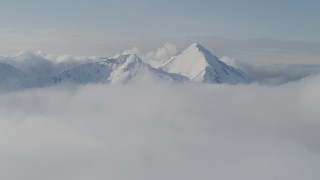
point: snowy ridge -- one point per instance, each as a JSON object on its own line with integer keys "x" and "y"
{"x": 114, "y": 70}
{"x": 195, "y": 64}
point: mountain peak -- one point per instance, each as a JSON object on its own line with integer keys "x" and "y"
{"x": 134, "y": 56}
{"x": 200, "y": 65}
{"x": 196, "y": 46}
{"x": 129, "y": 58}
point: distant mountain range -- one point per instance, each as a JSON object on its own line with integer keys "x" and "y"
{"x": 195, "y": 64}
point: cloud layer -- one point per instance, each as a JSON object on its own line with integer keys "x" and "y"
{"x": 162, "y": 131}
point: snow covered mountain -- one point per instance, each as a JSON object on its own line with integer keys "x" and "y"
{"x": 195, "y": 64}
{"x": 199, "y": 65}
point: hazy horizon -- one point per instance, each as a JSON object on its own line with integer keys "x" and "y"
{"x": 106, "y": 89}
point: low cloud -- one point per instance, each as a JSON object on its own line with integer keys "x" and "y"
{"x": 162, "y": 131}
{"x": 166, "y": 51}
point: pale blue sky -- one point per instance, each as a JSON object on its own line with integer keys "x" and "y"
{"x": 234, "y": 19}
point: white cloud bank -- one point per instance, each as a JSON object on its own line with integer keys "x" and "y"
{"x": 162, "y": 131}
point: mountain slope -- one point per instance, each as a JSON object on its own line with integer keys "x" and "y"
{"x": 199, "y": 65}
{"x": 12, "y": 78}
